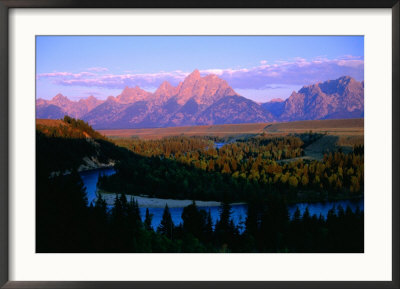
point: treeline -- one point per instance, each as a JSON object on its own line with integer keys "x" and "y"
{"x": 65, "y": 224}
{"x": 166, "y": 147}
{"x": 193, "y": 168}
{"x": 70, "y": 128}
{"x": 165, "y": 178}
{"x": 194, "y": 149}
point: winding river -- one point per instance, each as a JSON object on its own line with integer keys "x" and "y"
{"x": 90, "y": 178}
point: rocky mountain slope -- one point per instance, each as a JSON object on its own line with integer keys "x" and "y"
{"x": 332, "y": 99}
{"x": 60, "y": 105}
{"x": 207, "y": 100}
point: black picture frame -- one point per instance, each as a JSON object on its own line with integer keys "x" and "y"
{"x": 5, "y": 5}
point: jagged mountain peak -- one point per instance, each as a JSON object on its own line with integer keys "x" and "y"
{"x": 60, "y": 100}
{"x": 195, "y": 75}
{"x": 60, "y": 96}
{"x": 110, "y": 98}
{"x": 164, "y": 92}
{"x": 90, "y": 102}
{"x": 132, "y": 94}
{"x": 346, "y": 78}
{"x": 276, "y": 100}
{"x": 165, "y": 87}
{"x": 204, "y": 90}
{"x": 208, "y": 100}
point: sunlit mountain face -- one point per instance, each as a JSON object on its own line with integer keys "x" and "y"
{"x": 207, "y": 100}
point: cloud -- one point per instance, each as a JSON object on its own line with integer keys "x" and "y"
{"x": 293, "y": 72}
{"x": 113, "y": 80}
{"x": 298, "y": 71}
{"x": 66, "y": 74}
{"x": 97, "y": 69}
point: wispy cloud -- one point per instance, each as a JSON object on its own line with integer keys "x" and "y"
{"x": 67, "y": 74}
{"x": 97, "y": 69}
{"x": 297, "y": 71}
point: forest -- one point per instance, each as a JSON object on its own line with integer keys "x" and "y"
{"x": 192, "y": 168}
{"x": 266, "y": 173}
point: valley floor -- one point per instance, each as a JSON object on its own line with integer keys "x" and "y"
{"x": 348, "y": 130}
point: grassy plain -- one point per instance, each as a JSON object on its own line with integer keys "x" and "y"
{"x": 349, "y": 131}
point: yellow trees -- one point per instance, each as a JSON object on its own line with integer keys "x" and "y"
{"x": 277, "y": 177}
{"x": 340, "y": 171}
{"x": 317, "y": 180}
{"x": 254, "y": 175}
{"x": 339, "y": 184}
{"x": 203, "y": 165}
{"x": 332, "y": 179}
{"x": 355, "y": 185}
{"x": 293, "y": 182}
{"x": 226, "y": 169}
{"x": 234, "y": 165}
{"x": 211, "y": 165}
{"x": 350, "y": 172}
{"x": 284, "y": 178}
{"x": 304, "y": 180}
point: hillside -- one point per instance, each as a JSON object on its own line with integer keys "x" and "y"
{"x": 70, "y": 144}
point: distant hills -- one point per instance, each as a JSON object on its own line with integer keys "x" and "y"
{"x": 205, "y": 101}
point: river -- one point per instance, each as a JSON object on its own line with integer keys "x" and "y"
{"x": 90, "y": 178}
{"x": 219, "y": 145}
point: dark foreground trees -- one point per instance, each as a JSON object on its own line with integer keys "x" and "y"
{"x": 65, "y": 223}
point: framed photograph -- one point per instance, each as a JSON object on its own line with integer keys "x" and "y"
{"x": 207, "y": 145}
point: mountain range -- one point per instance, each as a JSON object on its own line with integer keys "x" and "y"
{"x": 207, "y": 100}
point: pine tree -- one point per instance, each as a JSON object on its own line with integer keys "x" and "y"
{"x": 209, "y": 226}
{"x": 166, "y": 226}
{"x": 224, "y": 228}
{"x": 297, "y": 215}
{"x": 253, "y": 218}
{"x": 194, "y": 221}
{"x": 147, "y": 220}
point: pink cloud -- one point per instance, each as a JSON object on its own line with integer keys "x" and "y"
{"x": 66, "y": 74}
{"x": 298, "y": 71}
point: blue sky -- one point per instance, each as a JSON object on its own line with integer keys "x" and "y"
{"x": 257, "y": 67}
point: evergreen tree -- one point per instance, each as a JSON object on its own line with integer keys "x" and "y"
{"x": 194, "y": 220}
{"x": 166, "y": 226}
{"x": 147, "y": 220}
{"x": 224, "y": 228}
{"x": 209, "y": 227}
{"x": 254, "y": 213}
{"x": 98, "y": 225}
